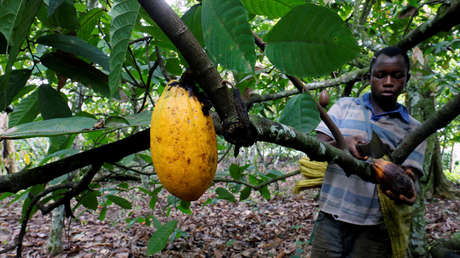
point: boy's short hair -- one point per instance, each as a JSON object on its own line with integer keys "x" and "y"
{"x": 391, "y": 51}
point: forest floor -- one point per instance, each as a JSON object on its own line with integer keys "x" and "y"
{"x": 255, "y": 227}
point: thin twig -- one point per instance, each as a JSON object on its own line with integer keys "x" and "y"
{"x": 259, "y": 186}
{"x": 132, "y": 169}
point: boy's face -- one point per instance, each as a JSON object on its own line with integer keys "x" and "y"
{"x": 388, "y": 78}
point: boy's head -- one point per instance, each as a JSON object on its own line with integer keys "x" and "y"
{"x": 389, "y": 75}
{"x": 391, "y": 51}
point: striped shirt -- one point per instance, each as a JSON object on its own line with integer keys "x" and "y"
{"x": 351, "y": 199}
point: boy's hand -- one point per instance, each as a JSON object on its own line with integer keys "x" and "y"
{"x": 352, "y": 142}
{"x": 397, "y": 183}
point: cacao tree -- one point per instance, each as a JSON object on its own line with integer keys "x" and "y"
{"x": 95, "y": 69}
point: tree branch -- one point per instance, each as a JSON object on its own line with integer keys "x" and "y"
{"x": 111, "y": 152}
{"x": 445, "y": 19}
{"x": 436, "y": 121}
{"x": 259, "y": 186}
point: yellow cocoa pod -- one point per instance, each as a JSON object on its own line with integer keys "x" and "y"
{"x": 182, "y": 143}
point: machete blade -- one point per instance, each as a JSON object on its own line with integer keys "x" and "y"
{"x": 375, "y": 148}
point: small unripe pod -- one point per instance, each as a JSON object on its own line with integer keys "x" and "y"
{"x": 323, "y": 98}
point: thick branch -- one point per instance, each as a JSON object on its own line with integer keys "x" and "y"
{"x": 436, "y": 121}
{"x": 273, "y": 132}
{"x": 444, "y": 21}
{"x": 107, "y": 153}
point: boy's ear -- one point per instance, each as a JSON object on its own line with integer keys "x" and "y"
{"x": 407, "y": 77}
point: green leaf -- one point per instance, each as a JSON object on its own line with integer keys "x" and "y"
{"x": 227, "y": 34}
{"x": 274, "y": 173}
{"x": 310, "y": 41}
{"x": 116, "y": 122}
{"x": 50, "y": 127}
{"x": 235, "y": 171}
{"x": 122, "y": 202}
{"x": 36, "y": 189}
{"x": 62, "y": 13}
{"x": 184, "y": 206}
{"x": 139, "y": 119}
{"x": 25, "y": 111}
{"x": 301, "y": 113}
{"x": 51, "y": 103}
{"x": 76, "y": 46}
{"x": 265, "y": 192}
{"x": 78, "y": 70}
{"x": 192, "y": 18}
{"x": 17, "y": 81}
{"x": 9, "y": 16}
{"x": 58, "y": 143}
{"x": 3, "y": 44}
{"x": 253, "y": 180}
{"x": 271, "y": 8}
{"x": 15, "y": 19}
{"x": 89, "y": 199}
{"x": 88, "y": 22}
{"x": 58, "y": 154}
{"x": 245, "y": 193}
{"x": 224, "y": 194}
{"x": 124, "y": 15}
{"x": 72, "y": 125}
{"x": 160, "y": 238}
{"x": 53, "y": 6}
{"x": 102, "y": 213}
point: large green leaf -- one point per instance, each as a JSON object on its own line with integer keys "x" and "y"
{"x": 62, "y": 13}
{"x": 124, "y": 15}
{"x": 25, "y": 111}
{"x": 9, "y": 14}
{"x": 192, "y": 18}
{"x": 159, "y": 239}
{"x": 51, "y": 103}
{"x": 77, "y": 70}
{"x": 70, "y": 125}
{"x": 227, "y": 34}
{"x": 16, "y": 20}
{"x": 301, "y": 113}
{"x": 88, "y": 22}
{"x": 271, "y": 8}
{"x": 309, "y": 41}
{"x": 51, "y": 127}
{"x": 89, "y": 199}
{"x": 53, "y": 5}
{"x": 76, "y": 46}
{"x": 60, "y": 142}
{"x": 16, "y": 82}
{"x": 122, "y": 202}
{"x": 224, "y": 194}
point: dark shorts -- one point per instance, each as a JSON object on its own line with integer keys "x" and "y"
{"x": 333, "y": 238}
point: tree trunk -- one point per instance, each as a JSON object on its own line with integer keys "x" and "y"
{"x": 7, "y": 147}
{"x": 54, "y": 245}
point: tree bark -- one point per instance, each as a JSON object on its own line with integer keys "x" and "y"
{"x": 7, "y": 147}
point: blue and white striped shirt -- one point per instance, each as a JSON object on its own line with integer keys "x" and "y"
{"x": 351, "y": 199}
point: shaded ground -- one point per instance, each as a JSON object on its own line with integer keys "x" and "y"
{"x": 280, "y": 227}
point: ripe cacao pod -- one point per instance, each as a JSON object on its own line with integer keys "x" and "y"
{"x": 183, "y": 143}
{"x": 393, "y": 178}
{"x": 323, "y": 98}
